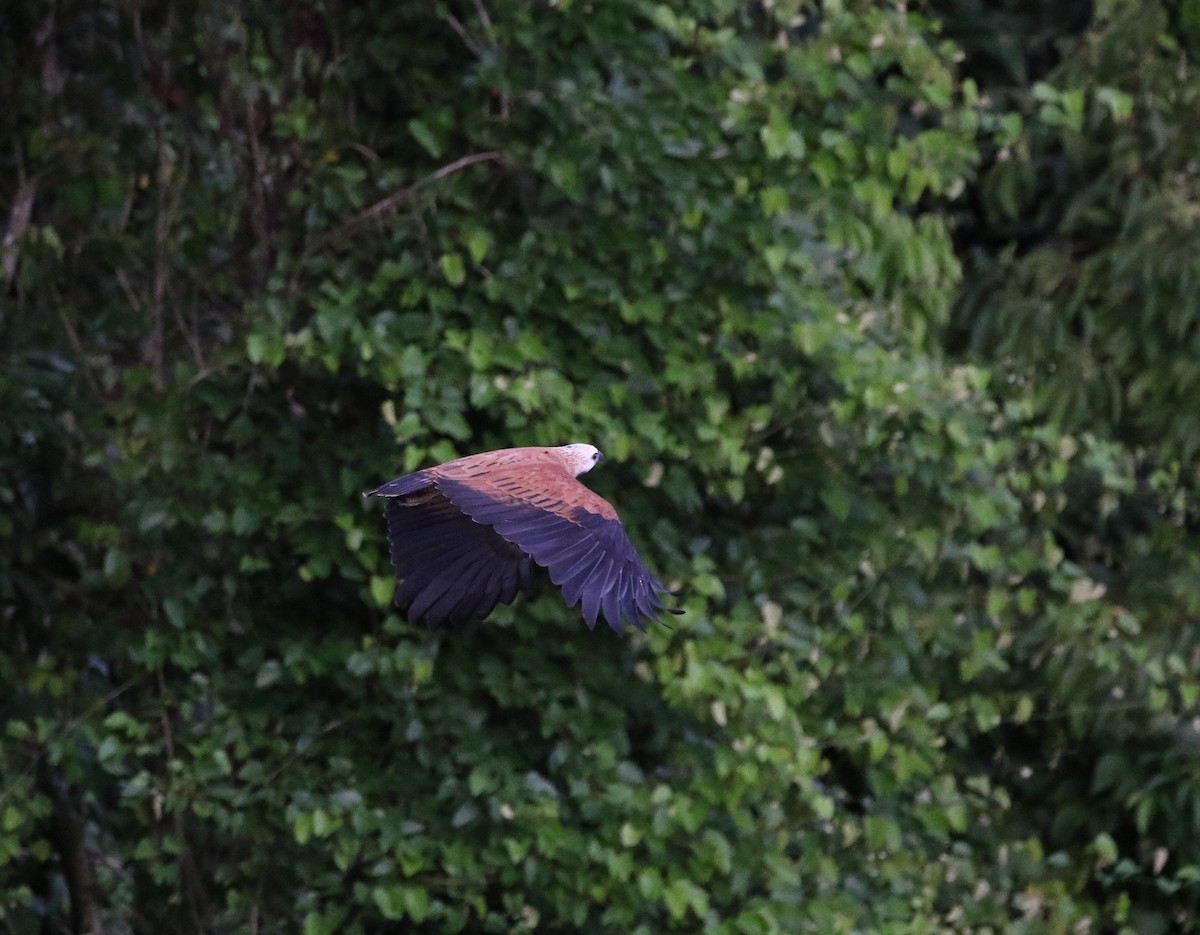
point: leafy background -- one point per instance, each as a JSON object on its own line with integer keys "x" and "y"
{"x": 888, "y": 318}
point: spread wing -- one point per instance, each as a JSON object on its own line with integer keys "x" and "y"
{"x": 450, "y": 569}
{"x": 570, "y": 531}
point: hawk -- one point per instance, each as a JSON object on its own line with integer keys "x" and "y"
{"x": 466, "y": 536}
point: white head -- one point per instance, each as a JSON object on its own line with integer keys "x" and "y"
{"x": 581, "y": 458}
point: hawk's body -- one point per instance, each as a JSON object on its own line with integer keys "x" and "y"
{"x": 466, "y": 534}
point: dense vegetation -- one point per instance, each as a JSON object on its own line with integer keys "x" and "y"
{"x": 888, "y": 319}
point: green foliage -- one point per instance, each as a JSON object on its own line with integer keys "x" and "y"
{"x": 936, "y": 670}
{"x": 1084, "y": 289}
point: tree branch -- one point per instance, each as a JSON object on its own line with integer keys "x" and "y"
{"x": 389, "y": 204}
{"x": 68, "y": 838}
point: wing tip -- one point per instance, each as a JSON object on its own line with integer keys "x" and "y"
{"x": 399, "y": 486}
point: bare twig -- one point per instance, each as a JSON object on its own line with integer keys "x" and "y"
{"x": 172, "y": 178}
{"x": 363, "y": 150}
{"x": 483, "y": 17}
{"x": 189, "y": 873}
{"x": 18, "y": 224}
{"x": 336, "y": 724}
{"x": 171, "y": 181}
{"x": 389, "y": 204}
{"x": 463, "y": 35}
{"x": 258, "y": 217}
{"x": 77, "y": 347}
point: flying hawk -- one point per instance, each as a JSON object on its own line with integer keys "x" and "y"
{"x": 465, "y": 536}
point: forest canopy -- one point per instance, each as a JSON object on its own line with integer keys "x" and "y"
{"x": 887, "y": 319}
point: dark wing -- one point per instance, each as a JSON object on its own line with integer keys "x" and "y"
{"x": 409, "y": 483}
{"x": 450, "y": 569}
{"x": 570, "y": 531}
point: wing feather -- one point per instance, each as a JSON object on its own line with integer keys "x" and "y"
{"x": 566, "y": 528}
{"x": 611, "y": 599}
{"x": 409, "y": 483}
{"x": 595, "y": 587}
{"x": 629, "y": 608}
{"x": 449, "y": 569}
{"x": 458, "y": 591}
{"x": 447, "y": 583}
{"x": 573, "y": 561}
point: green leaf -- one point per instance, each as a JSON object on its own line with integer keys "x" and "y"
{"x": 382, "y": 588}
{"x": 1105, "y": 848}
{"x": 302, "y": 827}
{"x": 423, "y": 135}
{"x": 390, "y": 901}
{"x": 453, "y": 269}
